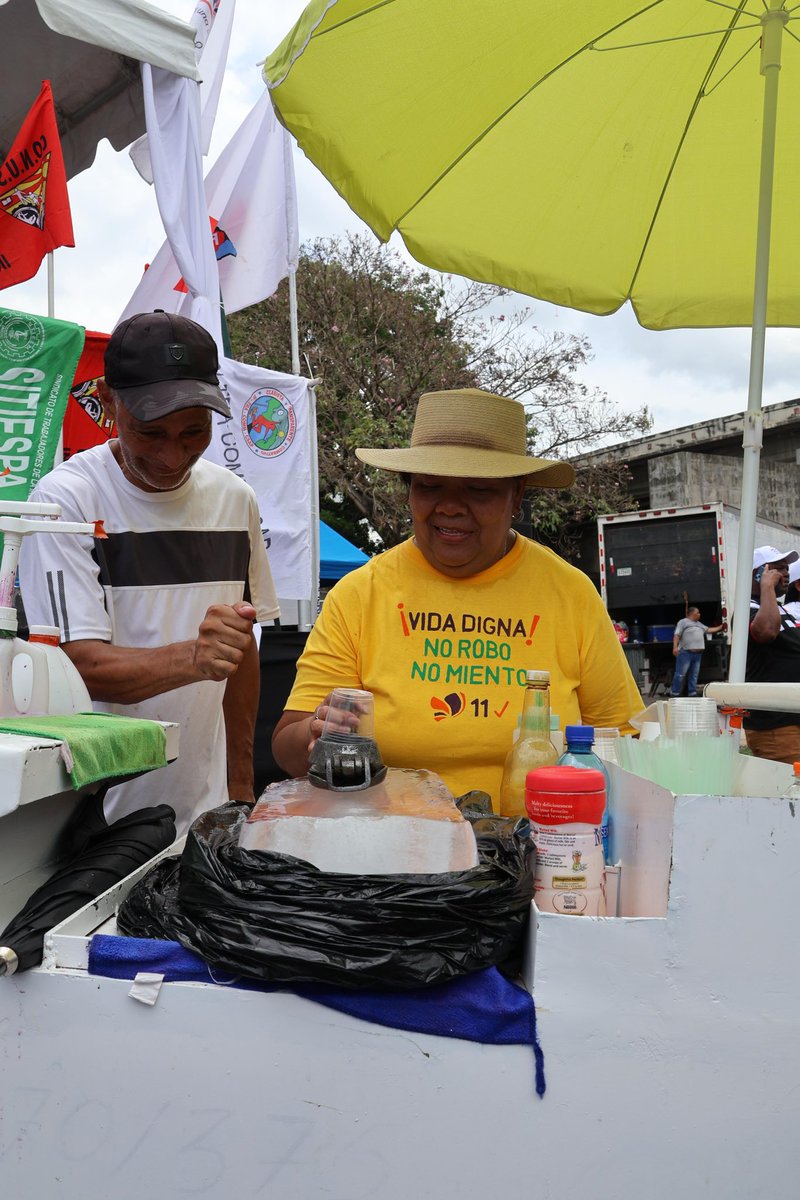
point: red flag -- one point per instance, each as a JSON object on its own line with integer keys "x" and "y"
{"x": 86, "y": 422}
{"x": 34, "y": 205}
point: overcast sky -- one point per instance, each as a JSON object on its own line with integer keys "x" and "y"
{"x": 683, "y": 375}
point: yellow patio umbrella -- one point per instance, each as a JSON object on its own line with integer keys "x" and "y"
{"x": 584, "y": 153}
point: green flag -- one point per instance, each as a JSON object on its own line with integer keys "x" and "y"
{"x": 38, "y": 358}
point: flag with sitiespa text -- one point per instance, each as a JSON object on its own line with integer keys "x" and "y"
{"x": 38, "y": 358}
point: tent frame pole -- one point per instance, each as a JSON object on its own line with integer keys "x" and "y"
{"x": 773, "y": 21}
{"x": 307, "y": 609}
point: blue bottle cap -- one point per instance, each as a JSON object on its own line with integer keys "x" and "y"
{"x": 580, "y": 733}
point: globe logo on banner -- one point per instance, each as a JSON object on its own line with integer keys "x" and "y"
{"x": 268, "y": 423}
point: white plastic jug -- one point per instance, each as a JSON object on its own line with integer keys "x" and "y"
{"x": 38, "y": 679}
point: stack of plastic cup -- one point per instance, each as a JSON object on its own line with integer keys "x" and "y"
{"x": 606, "y": 741}
{"x": 693, "y": 714}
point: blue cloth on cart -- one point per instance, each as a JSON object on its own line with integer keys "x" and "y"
{"x": 481, "y": 1007}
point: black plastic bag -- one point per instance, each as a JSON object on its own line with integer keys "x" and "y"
{"x": 274, "y": 917}
{"x": 95, "y": 856}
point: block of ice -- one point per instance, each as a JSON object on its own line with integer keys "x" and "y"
{"x": 407, "y": 824}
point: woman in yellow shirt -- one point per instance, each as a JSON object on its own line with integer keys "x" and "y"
{"x": 442, "y": 628}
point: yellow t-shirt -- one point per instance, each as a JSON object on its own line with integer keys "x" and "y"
{"x": 446, "y": 658}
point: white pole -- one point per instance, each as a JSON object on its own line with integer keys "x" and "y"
{"x": 51, "y": 285}
{"x": 294, "y": 333}
{"x": 314, "y": 500}
{"x": 58, "y": 457}
{"x": 307, "y": 609}
{"x": 773, "y": 22}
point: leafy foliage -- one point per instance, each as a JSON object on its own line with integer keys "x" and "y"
{"x": 559, "y": 519}
{"x": 378, "y": 333}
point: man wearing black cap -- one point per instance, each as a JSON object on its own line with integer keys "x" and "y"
{"x": 159, "y": 618}
{"x": 773, "y": 655}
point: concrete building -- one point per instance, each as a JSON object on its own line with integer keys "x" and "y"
{"x": 702, "y": 463}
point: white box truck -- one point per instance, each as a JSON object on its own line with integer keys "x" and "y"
{"x": 654, "y": 564}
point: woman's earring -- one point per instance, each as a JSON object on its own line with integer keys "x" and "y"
{"x": 518, "y": 514}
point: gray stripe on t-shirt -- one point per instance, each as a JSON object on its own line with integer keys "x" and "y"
{"x": 58, "y": 601}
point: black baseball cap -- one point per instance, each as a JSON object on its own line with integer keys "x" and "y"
{"x": 160, "y": 362}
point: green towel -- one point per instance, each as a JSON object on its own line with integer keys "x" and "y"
{"x": 100, "y": 745}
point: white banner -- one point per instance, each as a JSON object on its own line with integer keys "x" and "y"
{"x": 252, "y": 205}
{"x": 211, "y": 43}
{"x": 172, "y": 116}
{"x": 268, "y": 443}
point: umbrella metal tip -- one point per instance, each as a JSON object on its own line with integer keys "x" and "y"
{"x": 8, "y": 961}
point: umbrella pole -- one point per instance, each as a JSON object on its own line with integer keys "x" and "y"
{"x": 773, "y": 22}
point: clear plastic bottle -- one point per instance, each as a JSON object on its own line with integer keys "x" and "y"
{"x": 532, "y": 748}
{"x": 579, "y": 753}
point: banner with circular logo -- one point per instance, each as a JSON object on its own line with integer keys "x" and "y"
{"x": 38, "y": 357}
{"x": 269, "y": 424}
{"x": 269, "y": 442}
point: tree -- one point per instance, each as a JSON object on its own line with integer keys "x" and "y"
{"x": 377, "y": 333}
{"x": 559, "y": 519}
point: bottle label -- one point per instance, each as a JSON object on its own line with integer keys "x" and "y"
{"x": 555, "y": 808}
{"x": 590, "y": 903}
{"x": 568, "y": 858}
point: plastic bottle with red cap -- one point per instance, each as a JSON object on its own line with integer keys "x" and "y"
{"x": 565, "y": 805}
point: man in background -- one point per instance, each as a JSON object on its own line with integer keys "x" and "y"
{"x": 159, "y": 617}
{"x": 688, "y": 644}
{"x": 773, "y": 655}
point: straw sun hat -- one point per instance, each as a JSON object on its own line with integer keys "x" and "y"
{"x": 470, "y": 433}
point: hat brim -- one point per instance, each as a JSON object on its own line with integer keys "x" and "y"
{"x": 471, "y": 462}
{"x": 151, "y": 401}
{"x": 789, "y": 558}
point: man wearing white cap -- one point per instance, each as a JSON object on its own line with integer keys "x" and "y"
{"x": 773, "y": 655}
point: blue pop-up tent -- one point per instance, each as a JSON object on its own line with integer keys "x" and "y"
{"x": 337, "y": 556}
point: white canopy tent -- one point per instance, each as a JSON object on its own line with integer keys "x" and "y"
{"x": 90, "y": 51}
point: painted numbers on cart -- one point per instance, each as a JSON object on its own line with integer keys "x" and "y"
{"x": 193, "y": 1150}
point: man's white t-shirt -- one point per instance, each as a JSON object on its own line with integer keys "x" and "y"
{"x": 169, "y": 556}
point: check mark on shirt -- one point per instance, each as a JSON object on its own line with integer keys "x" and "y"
{"x": 502, "y": 710}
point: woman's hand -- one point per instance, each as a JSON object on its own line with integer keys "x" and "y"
{"x": 337, "y": 720}
{"x": 297, "y": 732}
{"x": 317, "y": 722}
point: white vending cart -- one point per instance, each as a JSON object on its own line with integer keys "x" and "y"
{"x": 671, "y": 1037}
